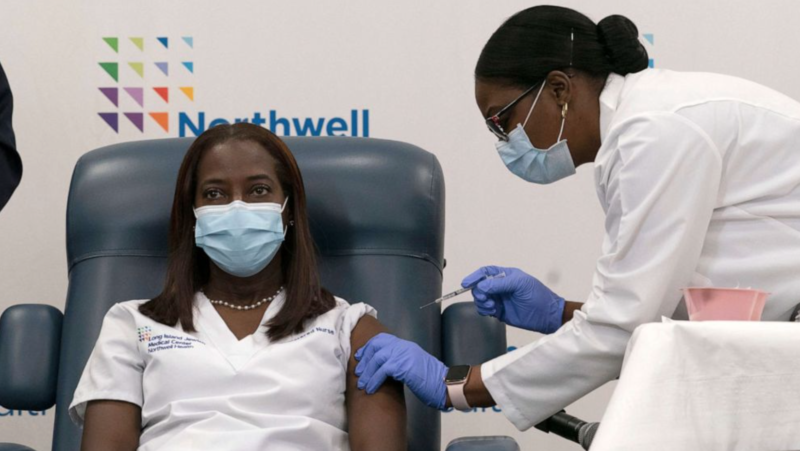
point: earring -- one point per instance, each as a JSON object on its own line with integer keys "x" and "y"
{"x": 564, "y": 111}
{"x": 291, "y": 223}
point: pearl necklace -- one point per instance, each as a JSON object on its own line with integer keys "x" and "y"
{"x": 247, "y": 307}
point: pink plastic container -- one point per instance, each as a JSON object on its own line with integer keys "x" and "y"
{"x": 724, "y": 304}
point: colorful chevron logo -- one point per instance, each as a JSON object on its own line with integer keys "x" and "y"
{"x": 137, "y": 86}
{"x": 145, "y": 333}
{"x": 650, "y": 40}
{"x": 146, "y": 86}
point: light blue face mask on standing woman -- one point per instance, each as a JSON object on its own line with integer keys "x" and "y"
{"x": 540, "y": 166}
{"x": 241, "y": 238}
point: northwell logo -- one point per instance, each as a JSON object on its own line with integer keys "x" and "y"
{"x": 335, "y": 126}
{"x": 131, "y": 57}
{"x": 145, "y": 333}
{"x": 153, "y": 89}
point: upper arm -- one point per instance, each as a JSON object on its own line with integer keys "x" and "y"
{"x": 111, "y": 425}
{"x": 660, "y": 200}
{"x": 108, "y": 397}
{"x": 377, "y": 421}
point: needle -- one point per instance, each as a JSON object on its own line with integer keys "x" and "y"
{"x": 463, "y": 290}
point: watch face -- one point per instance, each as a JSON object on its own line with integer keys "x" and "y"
{"x": 457, "y": 373}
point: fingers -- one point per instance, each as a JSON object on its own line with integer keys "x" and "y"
{"x": 502, "y": 285}
{"x": 371, "y": 366}
{"x": 480, "y": 273}
{"x": 374, "y": 345}
{"x": 492, "y": 270}
{"x": 472, "y": 278}
{"x": 379, "y": 378}
{"x": 486, "y": 307}
{"x": 377, "y": 370}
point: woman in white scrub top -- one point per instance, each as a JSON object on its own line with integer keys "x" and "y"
{"x": 699, "y": 177}
{"x": 243, "y": 350}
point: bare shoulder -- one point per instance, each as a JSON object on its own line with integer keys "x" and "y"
{"x": 367, "y": 327}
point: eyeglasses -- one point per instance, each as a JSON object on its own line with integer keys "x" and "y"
{"x": 493, "y": 122}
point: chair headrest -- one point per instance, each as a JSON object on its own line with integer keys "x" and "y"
{"x": 364, "y": 196}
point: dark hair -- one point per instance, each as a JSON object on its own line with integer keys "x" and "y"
{"x": 537, "y": 40}
{"x": 188, "y": 266}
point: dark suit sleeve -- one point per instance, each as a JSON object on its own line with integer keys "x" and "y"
{"x": 10, "y": 163}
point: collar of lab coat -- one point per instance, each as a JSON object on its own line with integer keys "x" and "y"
{"x": 609, "y": 100}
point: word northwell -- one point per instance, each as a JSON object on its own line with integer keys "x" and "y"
{"x": 334, "y": 126}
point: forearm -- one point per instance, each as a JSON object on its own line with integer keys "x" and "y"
{"x": 476, "y": 393}
{"x": 569, "y": 310}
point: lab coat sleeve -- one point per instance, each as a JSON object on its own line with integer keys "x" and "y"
{"x": 115, "y": 367}
{"x": 660, "y": 193}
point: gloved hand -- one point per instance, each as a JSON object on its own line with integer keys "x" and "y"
{"x": 388, "y": 356}
{"x": 518, "y": 299}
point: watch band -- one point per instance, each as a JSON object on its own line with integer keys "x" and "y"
{"x": 457, "y": 397}
{"x": 456, "y": 379}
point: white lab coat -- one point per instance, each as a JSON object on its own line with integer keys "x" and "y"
{"x": 206, "y": 390}
{"x": 699, "y": 177}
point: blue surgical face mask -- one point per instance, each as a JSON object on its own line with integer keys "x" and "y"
{"x": 540, "y": 166}
{"x": 239, "y": 237}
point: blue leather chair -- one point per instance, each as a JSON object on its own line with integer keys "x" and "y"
{"x": 377, "y": 215}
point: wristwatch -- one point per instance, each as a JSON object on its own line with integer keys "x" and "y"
{"x": 455, "y": 380}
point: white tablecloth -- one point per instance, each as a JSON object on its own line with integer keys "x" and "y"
{"x": 717, "y": 385}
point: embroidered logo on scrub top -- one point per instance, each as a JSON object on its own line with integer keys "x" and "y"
{"x": 144, "y": 333}
{"x": 164, "y": 342}
{"x": 312, "y": 331}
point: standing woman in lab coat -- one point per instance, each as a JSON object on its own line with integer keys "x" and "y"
{"x": 699, "y": 178}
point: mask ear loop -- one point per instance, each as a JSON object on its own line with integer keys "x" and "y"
{"x": 534, "y": 104}
{"x": 564, "y": 109}
{"x": 563, "y": 120}
{"x": 285, "y": 228}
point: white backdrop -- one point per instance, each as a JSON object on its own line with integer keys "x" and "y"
{"x": 408, "y": 64}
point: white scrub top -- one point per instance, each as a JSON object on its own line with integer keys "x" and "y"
{"x": 699, "y": 177}
{"x": 206, "y": 390}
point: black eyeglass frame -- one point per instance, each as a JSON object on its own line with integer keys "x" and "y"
{"x": 493, "y": 122}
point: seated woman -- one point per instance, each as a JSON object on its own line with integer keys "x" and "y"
{"x": 243, "y": 349}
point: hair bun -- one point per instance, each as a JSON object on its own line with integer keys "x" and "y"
{"x": 620, "y": 39}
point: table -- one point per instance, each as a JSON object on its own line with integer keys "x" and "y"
{"x": 715, "y": 385}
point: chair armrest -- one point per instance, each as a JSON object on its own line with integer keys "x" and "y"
{"x": 30, "y": 340}
{"x": 469, "y": 338}
{"x": 14, "y": 447}
{"x": 489, "y": 443}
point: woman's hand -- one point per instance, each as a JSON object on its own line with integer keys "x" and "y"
{"x": 518, "y": 299}
{"x": 386, "y": 356}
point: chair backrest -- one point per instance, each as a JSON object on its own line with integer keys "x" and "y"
{"x": 377, "y": 215}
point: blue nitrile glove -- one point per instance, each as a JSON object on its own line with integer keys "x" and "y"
{"x": 385, "y": 356}
{"x": 518, "y": 299}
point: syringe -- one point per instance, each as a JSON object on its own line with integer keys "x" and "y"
{"x": 463, "y": 290}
